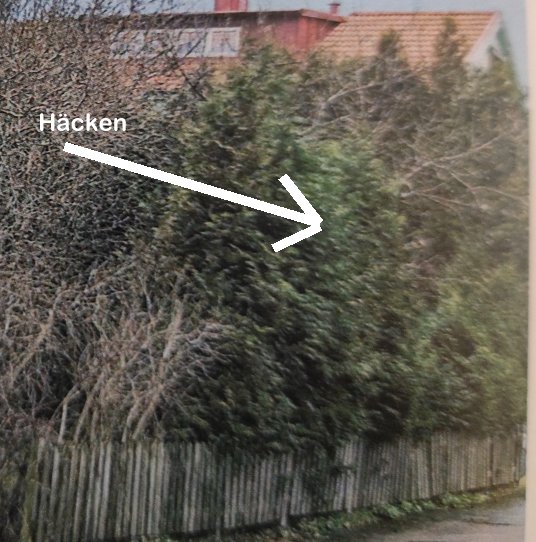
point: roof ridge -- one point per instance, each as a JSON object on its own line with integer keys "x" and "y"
{"x": 425, "y": 12}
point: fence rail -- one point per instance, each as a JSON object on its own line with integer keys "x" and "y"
{"x": 113, "y": 491}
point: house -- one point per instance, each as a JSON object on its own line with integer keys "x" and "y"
{"x": 359, "y": 35}
{"x": 221, "y": 33}
{"x": 218, "y": 36}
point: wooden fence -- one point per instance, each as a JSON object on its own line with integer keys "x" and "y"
{"x": 118, "y": 491}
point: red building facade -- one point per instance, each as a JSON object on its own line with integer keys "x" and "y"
{"x": 296, "y": 30}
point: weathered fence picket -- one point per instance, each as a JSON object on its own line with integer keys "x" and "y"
{"x": 110, "y": 491}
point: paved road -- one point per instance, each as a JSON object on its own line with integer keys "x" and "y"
{"x": 499, "y": 522}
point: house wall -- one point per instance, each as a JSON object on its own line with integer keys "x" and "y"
{"x": 292, "y": 30}
{"x": 298, "y": 31}
{"x": 479, "y": 56}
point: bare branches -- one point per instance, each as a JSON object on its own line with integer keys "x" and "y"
{"x": 87, "y": 345}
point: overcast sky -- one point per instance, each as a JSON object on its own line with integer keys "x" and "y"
{"x": 513, "y": 12}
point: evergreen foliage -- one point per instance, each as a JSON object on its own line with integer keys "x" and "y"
{"x": 309, "y": 333}
{"x": 377, "y": 325}
{"x": 167, "y": 312}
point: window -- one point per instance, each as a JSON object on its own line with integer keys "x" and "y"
{"x": 190, "y": 42}
{"x": 187, "y": 42}
{"x": 224, "y": 42}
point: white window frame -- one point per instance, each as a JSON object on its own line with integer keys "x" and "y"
{"x": 233, "y": 31}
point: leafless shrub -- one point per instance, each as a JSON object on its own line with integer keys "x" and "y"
{"x": 86, "y": 346}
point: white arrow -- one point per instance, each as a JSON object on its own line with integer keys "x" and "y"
{"x": 308, "y": 215}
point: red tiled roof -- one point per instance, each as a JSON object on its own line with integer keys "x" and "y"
{"x": 360, "y": 34}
